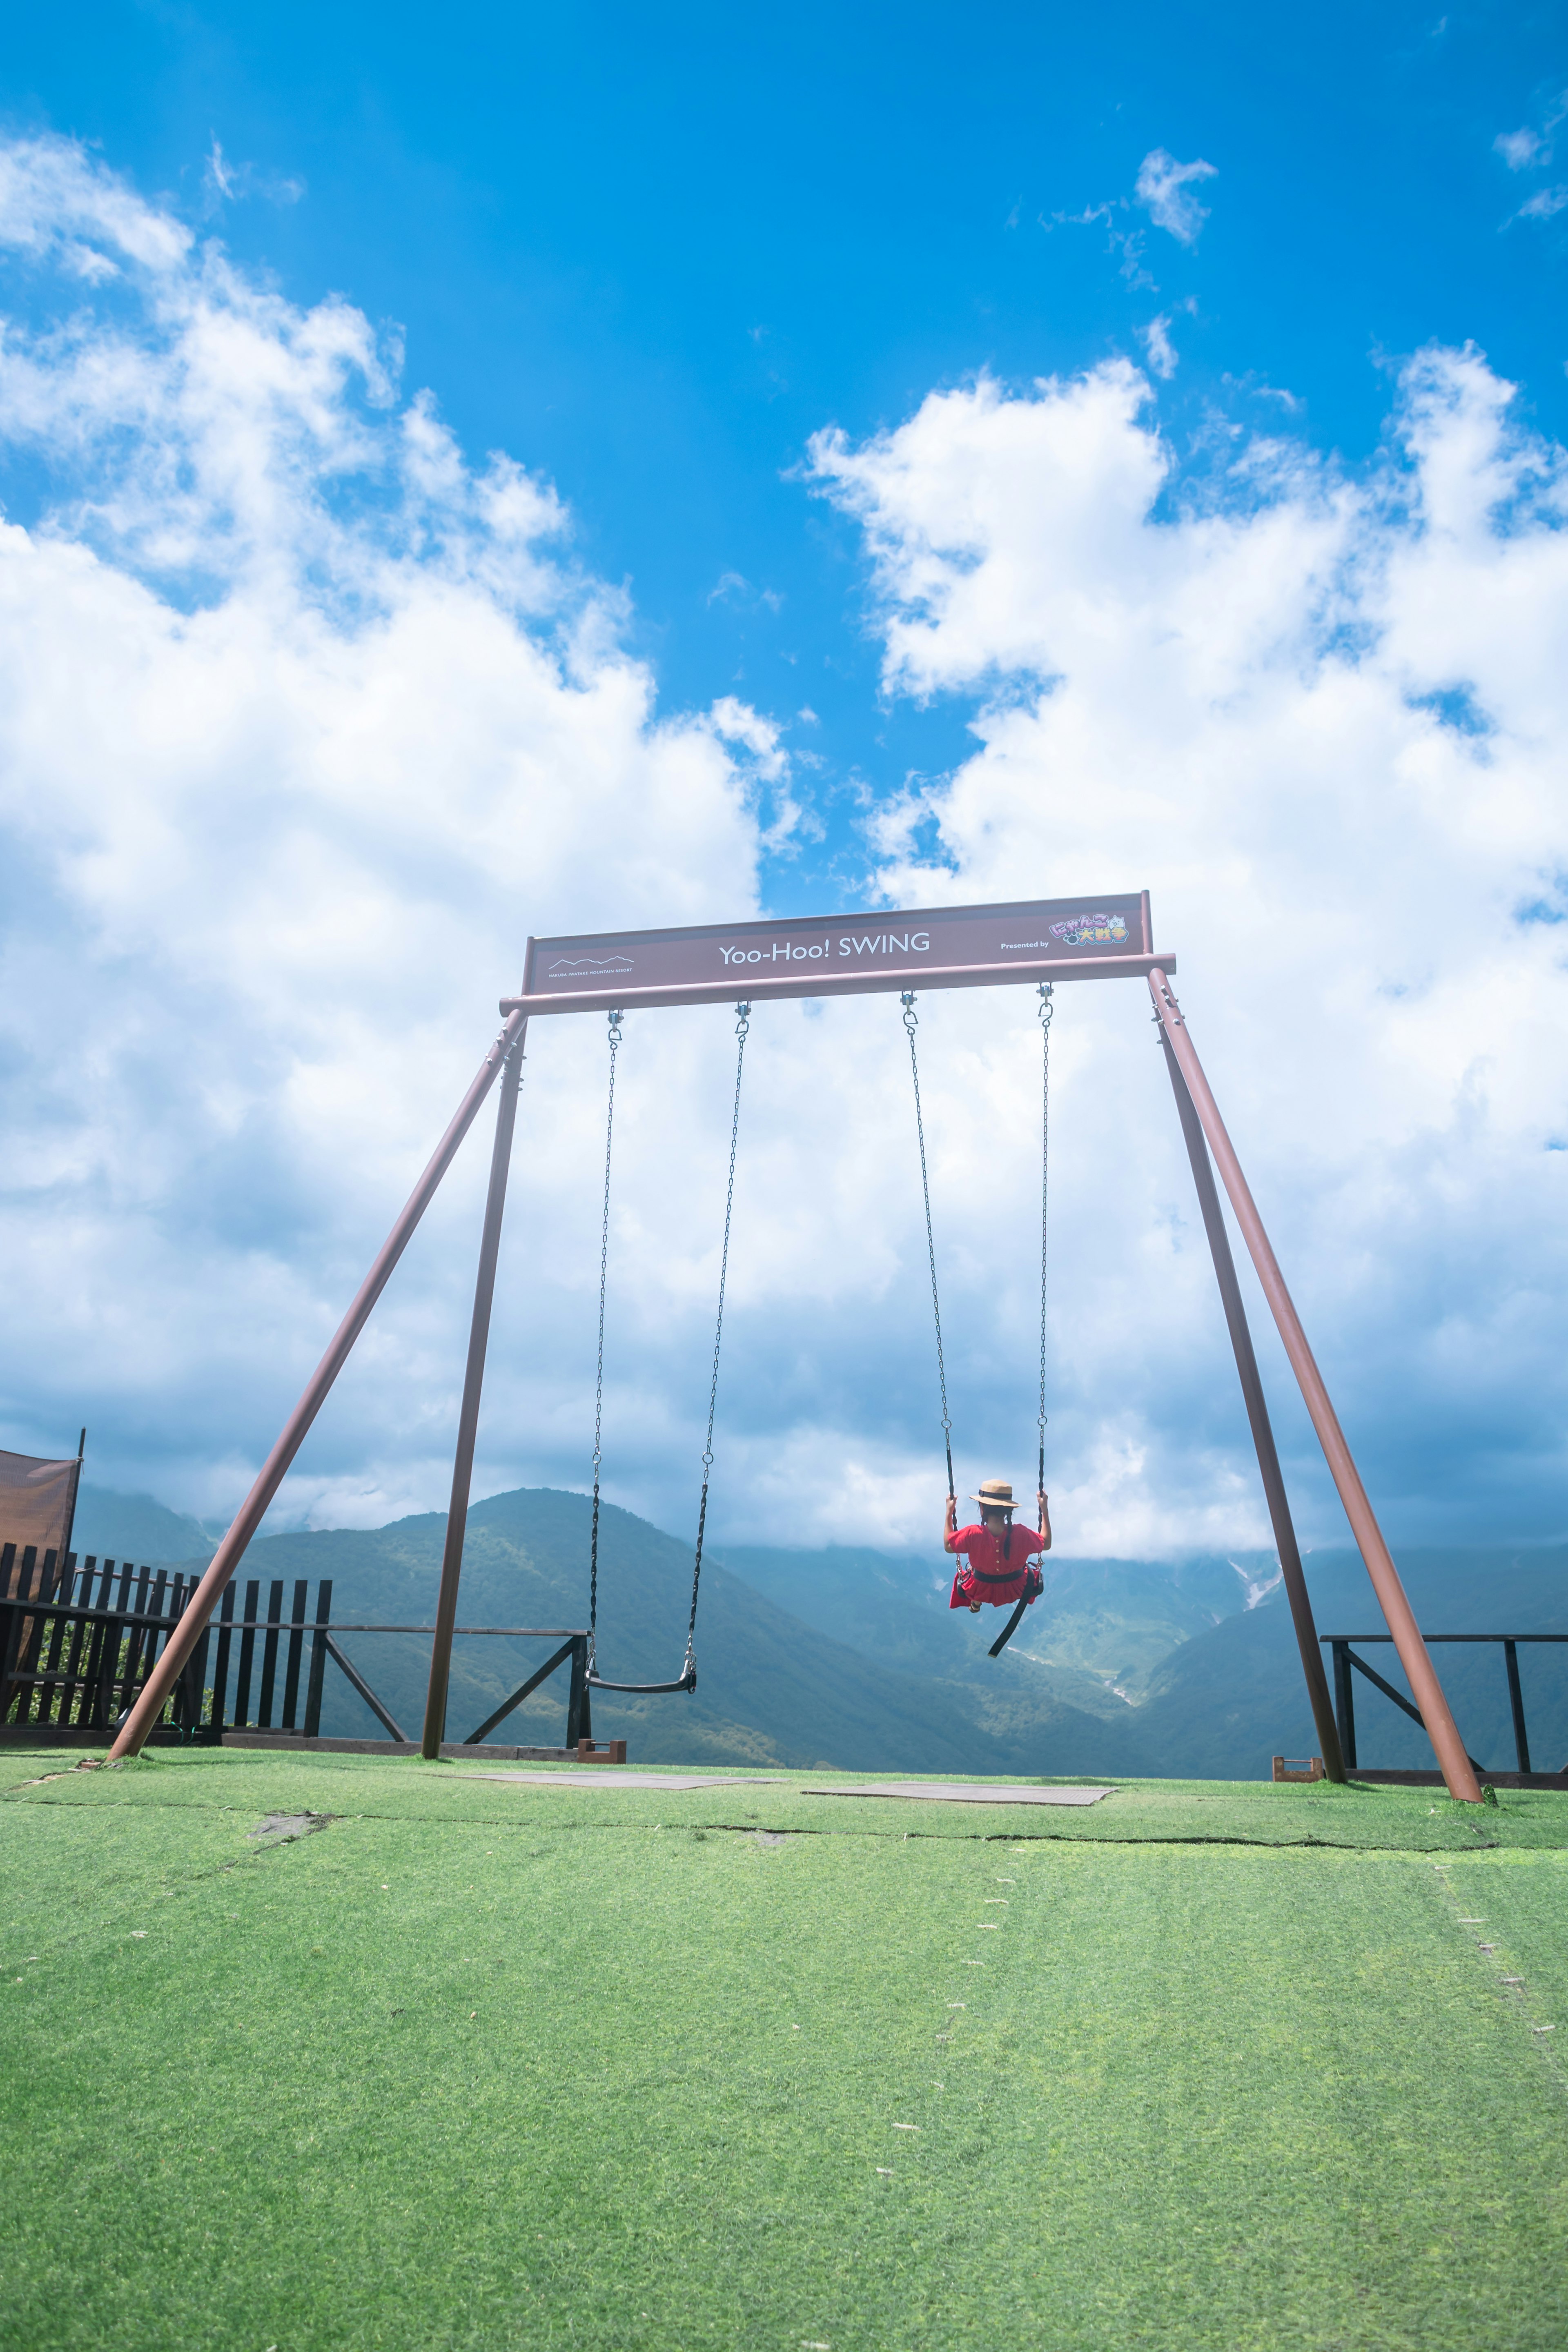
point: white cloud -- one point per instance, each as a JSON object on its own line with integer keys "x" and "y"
{"x": 226, "y": 181}
{"x": 1162, "y": 351}
{"x": 219, "y": 173}
{"x": 1322, "y": 717}
{"x": 1519, "y": 148}
{"x": 1165, "y": 189}
{"x": 1528, "y": 150}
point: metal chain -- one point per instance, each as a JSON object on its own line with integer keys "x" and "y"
{"x": 742, "y": 1024}
{"x": 1045, "y": 993}
{"x": 615, "y": 1019}
{"x": 910, "y": 1025}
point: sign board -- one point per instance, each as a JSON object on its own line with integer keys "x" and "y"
{"x": 843, "y": 955}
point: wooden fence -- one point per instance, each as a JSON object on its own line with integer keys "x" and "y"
{"x": 77, "y": 1643}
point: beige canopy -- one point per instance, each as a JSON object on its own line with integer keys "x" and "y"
{"x": 37, "y": 1501}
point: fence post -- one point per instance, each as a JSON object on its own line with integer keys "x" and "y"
{"x": 296, "y": 1649}
{"x": 49, "y": 1682}
{"x": 269, "y": 1653}
{"x": 180, "y": 1696}
{"x": 246, "y": 1653}
{"x": 20, "y": 1575}
{"x": 1345, "y": 1704}
{"x": 136, "y": 1635}
{"x": 579, "y": 1717}
{"x": 194, "y": 1681}
{"x": 220, "y": 1671}
{"x": 8, "y": 1627}
{"x": 21, "y": 1662}
{"x": 106, "y": 1652}
{"x": 318, "y": 1659}
{"x": 1516, "y": 1701}
{"x": 78, "y": 1587}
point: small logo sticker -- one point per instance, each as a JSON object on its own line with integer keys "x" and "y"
{"x": 589, "y": 967}
{"x": 1091, "y": 931}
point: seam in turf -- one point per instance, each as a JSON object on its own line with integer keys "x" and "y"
{"x": 935, "y": 1837}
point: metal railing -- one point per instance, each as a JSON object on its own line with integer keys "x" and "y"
{"x": 1346, "y": 1662}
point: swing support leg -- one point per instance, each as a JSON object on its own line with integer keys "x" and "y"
{"x": 1257, "y": 1415}
{"x": 227, "y": 1558}
{"x": 468, "y": 1417}
{"x": 1436, "y": 1714}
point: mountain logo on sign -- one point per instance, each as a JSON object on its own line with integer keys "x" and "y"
{"x": 1091, "y": 931}
{"x": 588, "y": 967}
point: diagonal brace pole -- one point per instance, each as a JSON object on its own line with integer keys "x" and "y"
{"x": 1279, "y": 1502}
{"x": 525, "y": 1690}
{"x": 156, "y": 1691}
{"x": 356, "y": 1680}
{"x": 468, "y": 1416}
{"x": 1436, "y": 1713}
{"x": 1388, "y": 1691}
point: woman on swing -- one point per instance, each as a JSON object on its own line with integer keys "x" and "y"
{"x": 995, "y": 1567}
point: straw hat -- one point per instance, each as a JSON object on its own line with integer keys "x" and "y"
{"x": 996, "y": 1492}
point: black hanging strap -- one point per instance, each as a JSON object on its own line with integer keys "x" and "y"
{"x": 687, "y": 1679}
{"x": 1010, "y": 1628}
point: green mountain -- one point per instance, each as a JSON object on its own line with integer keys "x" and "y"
{"x": 134, "y": 1527}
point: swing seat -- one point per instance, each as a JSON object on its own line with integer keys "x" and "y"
{"x": 996, "y": 1591}
{"x": 688, "y": 1682}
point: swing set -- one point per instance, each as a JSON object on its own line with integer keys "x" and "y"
{"x": 1042, "y": 942}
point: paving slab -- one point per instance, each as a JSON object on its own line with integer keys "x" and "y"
{"x": 605, "y": 1776}
{"x": 937, "y": 1793}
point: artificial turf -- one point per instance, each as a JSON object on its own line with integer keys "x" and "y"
{"x": 486, "y": 2065}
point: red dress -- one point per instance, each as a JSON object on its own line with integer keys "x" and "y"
{"x": 997, "y": 1567}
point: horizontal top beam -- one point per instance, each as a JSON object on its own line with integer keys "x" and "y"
{"x": 759, "y": 988}
{"x": 1447, "y": 1637}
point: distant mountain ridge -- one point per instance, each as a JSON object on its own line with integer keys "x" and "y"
{"x": 1236, "y": 1691}
{"x": 771, "y": 1687}
{"x": 135, "y": 1526}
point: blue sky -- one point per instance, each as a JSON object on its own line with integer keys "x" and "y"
{"x": 553, "y": 474}
{"x": 651, "y": 252}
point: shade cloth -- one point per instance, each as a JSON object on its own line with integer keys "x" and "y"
{"x": 37, "y": 1501}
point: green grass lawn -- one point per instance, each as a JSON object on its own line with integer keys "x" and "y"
{"x": 489, "y": 2065}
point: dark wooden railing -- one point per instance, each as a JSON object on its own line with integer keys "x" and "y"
{"x": 77, "y": 1641}
{"x": 1346, "y": 1663}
